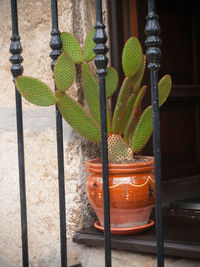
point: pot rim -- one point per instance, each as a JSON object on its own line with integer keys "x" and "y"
{"x": 94, "y": 165}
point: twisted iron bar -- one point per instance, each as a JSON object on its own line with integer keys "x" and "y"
{"x": 153, "y": 42}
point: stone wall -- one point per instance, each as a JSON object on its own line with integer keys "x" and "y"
{"x": 75, "y": 16}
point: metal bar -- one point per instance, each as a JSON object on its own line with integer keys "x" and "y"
{"x": 16, "y": 69}
{"x": 153, "y": 42}
{"x": 56, "y": 45}
{"x": 128, "y": 25}
{"x": 101, "y": 62}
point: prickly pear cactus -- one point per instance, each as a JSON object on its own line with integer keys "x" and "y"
{"x": 128, "y": 129}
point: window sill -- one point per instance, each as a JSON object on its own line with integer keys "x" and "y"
{"x": 181, "y": 238}
{"x": 181, "y": 227}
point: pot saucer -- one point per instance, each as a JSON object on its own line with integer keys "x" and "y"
{"x": 126, "y": 231}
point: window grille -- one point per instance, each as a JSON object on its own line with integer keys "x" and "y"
{"x": 153, "y": 43}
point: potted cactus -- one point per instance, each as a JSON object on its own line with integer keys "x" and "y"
{"x": 131, "y": 177}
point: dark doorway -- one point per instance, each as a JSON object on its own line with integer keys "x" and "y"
{"x": 180, "y": 115}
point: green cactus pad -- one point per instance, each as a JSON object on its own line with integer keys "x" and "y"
{"x": 118, "y": 150}
{"x": 137, "y": 79}
{"x": 71, "y": 47}
{"x": 144, "y": 127}
{"x": 111, "y": 81}
{"x": 35, "y": 91}
{"x": 143, "y": 130}
{"x": 128, "y": 109}
{"x": 131, "y": 57}
{"x": 108, "y": 113}
{"x": 120, "y": 108}
{"x": 64, "y": 72}
{"x": 91, "y": 91}
{"x": 77, "y": 117}
{"x": 131, "y": 123}
{"x": 164, "y": 88}
{"x": 88, "y": 51}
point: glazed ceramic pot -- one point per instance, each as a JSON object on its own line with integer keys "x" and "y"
{"x": 132, "y": 191}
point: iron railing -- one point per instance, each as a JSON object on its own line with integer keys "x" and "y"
{"x": 16, "y": 69}
{"x": 101, "y": 62}
{"x": 56, "y": 45}
{"x": 153, "y": 42}
{"x": 153, "y": 55}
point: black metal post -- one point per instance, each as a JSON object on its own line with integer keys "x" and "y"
{"x": 56, "y": 45}
{"x": 153, "y": 42}
{"x": 101, "y": 62}
{"x": 16, "y": 69}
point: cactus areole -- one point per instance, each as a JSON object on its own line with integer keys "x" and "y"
{"x": 129, "y": 129}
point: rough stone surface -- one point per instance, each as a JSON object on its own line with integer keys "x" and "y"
{"x": 76, "y": 16}
{"x": 40, "y": 138}
{"x": 120, "y": 258}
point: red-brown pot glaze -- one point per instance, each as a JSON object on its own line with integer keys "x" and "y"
{"x": 132, "y": 191}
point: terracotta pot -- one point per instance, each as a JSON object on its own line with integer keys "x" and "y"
{"x": 132, "y": 191}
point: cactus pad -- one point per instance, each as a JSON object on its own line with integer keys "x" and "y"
{"x": 131, "y": 57}
{"x": 139, "y": 75}
{"x": 143, "y": 131}
{"x": 88, "y": 52}
{"x": 131, "y": 123}
{"x": 91, "y": 91}
{"x": 118, "y": 150}
{"x": 164, "y": 88}
{"x": 35, "y": 91}
{"x": 111, "y": 81}
{"x": 120, "y": 108}
{"x": 128, "y": 109}
{"x": 64, "y": 72}
{"x": 77, "y": 117}
{"x": 144, "y": 127}
{"x": 71, "y": 47}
